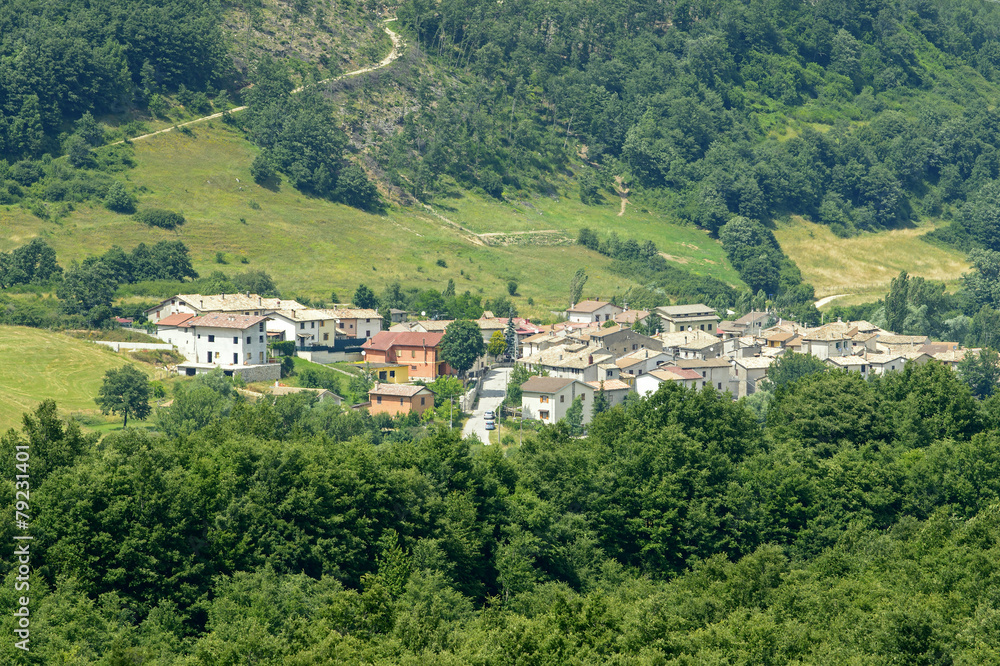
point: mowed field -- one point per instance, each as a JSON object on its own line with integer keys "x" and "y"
{"x": 862, "y": 267}
{"x": 41, "y": 364}
{"x": 314, "y": 248}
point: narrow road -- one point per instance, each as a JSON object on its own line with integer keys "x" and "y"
{"x": 490, "y": 396}
{"x": 397, "y": 42}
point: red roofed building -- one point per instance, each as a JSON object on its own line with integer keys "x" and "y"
{"x": 417, "y": 350}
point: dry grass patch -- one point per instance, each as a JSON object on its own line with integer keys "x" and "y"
{"x": 866, "y": 263}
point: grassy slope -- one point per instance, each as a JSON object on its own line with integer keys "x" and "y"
{"x": 42, "y": 364}
{"x": 864, "y": 265}
{"x": 313, "y": 247}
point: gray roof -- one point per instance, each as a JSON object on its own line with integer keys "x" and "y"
{"x": 546, "y": 384}
{"x": 686, "y": 310}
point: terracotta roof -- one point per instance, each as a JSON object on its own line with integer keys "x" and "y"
{"x": 779, "y": 336}
{"x": 227, "y": 320}
{"x": 385, "y": 340}
{"x": 710, "y": 363}
{"x": 955, "y": 355}
{"x": 399, "y": 390}
{"x": 590, "y": 306}
{"x": 893, "y": 339}
{"x": 429, "y": 325}
{"x": 177, "y": 319}
{"x": 571, "y": 357}
{"x": 236, "y": 302}
{"x": 754, "y": 362}
{"x": 672, "y": 373}
{"x": 610, "y": 385}
{"x": 352, "y": 313}
{"x": 631, "y": 316}
{"x": 546, "y": 384}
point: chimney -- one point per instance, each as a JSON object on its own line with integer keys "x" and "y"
{"x": 590, "y": 360}
{"x": 260, "y": 301}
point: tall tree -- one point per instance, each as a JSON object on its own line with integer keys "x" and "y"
{"x": 125, "y": 391}
{"x": 461, "y": 344}
{"x": 981, "y": 372}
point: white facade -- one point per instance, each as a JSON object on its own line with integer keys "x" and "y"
{"x": 546, "y": 399}
{"x": 592, "y": 311}
{"x": 220, "y": 339}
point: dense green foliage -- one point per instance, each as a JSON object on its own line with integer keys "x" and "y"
{"x": 857, "y": 524}
{"x": 61, "y": 60}
{"x": 888, "y": 103}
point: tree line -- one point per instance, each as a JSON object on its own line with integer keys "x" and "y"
{"x": 851, "y": 520}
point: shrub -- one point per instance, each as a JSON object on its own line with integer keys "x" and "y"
{"x": 442, "y": 263}
{"x": 157, "y": 217}
{"x": 284, "y": 348}
{"x": 119, "y": 200}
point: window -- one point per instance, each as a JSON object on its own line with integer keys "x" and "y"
{"x": 413, "y": 367}
{"x": 368, "y": 321}
{"x": 634, "y": 347}
{"x": 422, "y": 400}
{"x": 260, "y": 338}
{"x": 381, "y": 375}
{"x": 703, "y": 327}
{"x": 413, "y": 353}
{"x": 261, "y": 357}
{"x": 351, "y": 326}
{"x": 246, "y": 313}
{"x": 562, "y": 398}
{"x": 720, "y": 386}
{"x": 236, "y": 358}
{"x": 583, "y": 396}
{"x": 312, "y": 324}
{"x": 302, "y": 326}
{"x": 543, "y": 415}
{"x": 260, "y": 327}
{"x": 368, "y": 334}
{"x": 543, "y": 398}
{"x": 401, "y": 401}
{"x": 392, "y": 373}
{"x": 236, "y": 340}
{"x": 322, "y": 324}
{"x": 211, "y": 338}
{"x": 248, "y": 339}
{"x": 378, "y": 399}
{"x": 326, "y": 336}
{"x": 216, "y": 356}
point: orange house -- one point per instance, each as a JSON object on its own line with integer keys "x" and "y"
{"x": 396, "y": 399}
{"x": 419, "y": 351}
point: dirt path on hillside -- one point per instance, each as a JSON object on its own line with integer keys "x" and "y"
{"x": 622, "y": 191}
{"x": 823, "y": 301}
{"x": 397, "y": 43}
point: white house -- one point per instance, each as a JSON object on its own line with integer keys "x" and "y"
{"x": 615, "y": 390}
{"x": 307, "y": 327}
{"x": 360, "y": 323}
{"x": 749, "y": 371}
{"x": 649, "y": 383}
{"x": 233, "y": 342}
{"x": 591, "y": 311}
{"x": 547, "y": 398}
{"x": 715, "y": 372}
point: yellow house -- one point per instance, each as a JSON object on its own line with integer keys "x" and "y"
{"x": 388, "y": 373}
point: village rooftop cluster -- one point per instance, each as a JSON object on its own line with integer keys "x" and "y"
{"x": 596, "y": 349}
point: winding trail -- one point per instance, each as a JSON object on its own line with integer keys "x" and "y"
{"x": 397, "y": 44}
{"x": 823, "y": 301}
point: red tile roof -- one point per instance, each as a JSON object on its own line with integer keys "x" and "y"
{"x": 177, "y": 319}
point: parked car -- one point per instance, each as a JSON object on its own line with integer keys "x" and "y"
{"x": 491, "y": 425}
{"x": 490, "y": 415}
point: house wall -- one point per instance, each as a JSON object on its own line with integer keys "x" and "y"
{"x": 224, "y": 343}
{"x": 603, "y": 313}
{"x": 556, "y": 404}
{"x": 397, "y": 375}
{"x": 706, "y": 324}
{"x": 391, "y": 404}
{"x": 359, "y": 328}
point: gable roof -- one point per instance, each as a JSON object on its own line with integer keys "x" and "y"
{"x": 546, "y": 384}
{"x": 609, "y": 385}
{"x": 178, "y": 319}
{"x": 398, "y": 390}
{"x": 752, "y": 317}
{"x": 590, "y": 306}
{"x": 234, "y": 302}
{"x": 386, "y": 340}
{"x": 673, "y": 373}
{"x": 226, "y": 320}
{"x": 698, "y": 363}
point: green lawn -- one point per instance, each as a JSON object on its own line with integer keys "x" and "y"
{"x": 42, "y": 364}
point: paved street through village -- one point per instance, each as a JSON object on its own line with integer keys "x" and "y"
{"x": 490, "y": 396}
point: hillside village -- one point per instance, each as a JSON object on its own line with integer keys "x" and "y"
{"x": 601, "y": 347}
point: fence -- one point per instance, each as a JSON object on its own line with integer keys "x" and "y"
{"x": 133, "y": 346}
